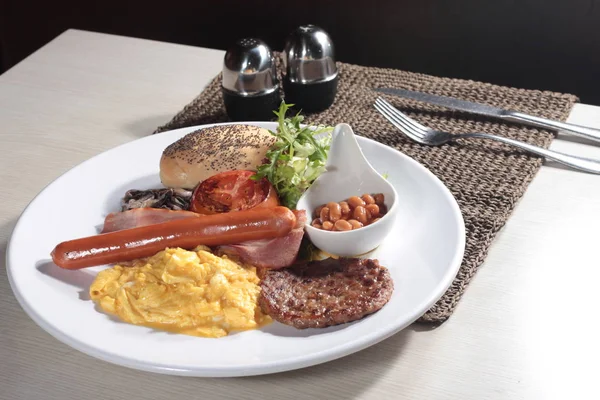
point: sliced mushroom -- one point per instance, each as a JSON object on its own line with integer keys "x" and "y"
{"x": 172, "y": 199}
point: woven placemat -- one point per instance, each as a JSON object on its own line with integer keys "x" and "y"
{"x": 486, "y": 178}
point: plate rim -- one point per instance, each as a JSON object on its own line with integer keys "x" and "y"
{"x": 244, "y": 370}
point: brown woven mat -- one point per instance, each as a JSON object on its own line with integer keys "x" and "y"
{"x": 485, "y": 177}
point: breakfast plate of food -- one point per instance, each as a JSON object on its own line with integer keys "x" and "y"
{"x": 236, "y": 249}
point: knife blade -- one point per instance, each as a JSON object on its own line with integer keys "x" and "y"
{"x": 447, "y": 102}
{"x": 490, "y": 111}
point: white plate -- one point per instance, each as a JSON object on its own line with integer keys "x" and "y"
{"x": 423, "y": 254}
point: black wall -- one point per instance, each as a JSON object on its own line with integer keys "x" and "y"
{"x": 535, "y": 44}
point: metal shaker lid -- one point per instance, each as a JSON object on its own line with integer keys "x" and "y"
{"x": 249, "y": 68}
{"x": 309, "y": 55}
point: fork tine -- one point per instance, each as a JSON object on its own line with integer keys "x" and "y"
{"x": 389, "y": 117}
{"x": 400, "y": 114}
{"x": 402, "y": 128}
{"x": 410, "y": 122}
{"x": 393, "y": 113}
{"x": 395, "y": 120}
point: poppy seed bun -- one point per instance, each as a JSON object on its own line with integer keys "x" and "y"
{"x": 209, "y": 151}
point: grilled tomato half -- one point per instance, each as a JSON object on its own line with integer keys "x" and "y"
{"x": 232, "y": 191}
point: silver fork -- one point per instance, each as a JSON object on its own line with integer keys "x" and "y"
{"x": 422, "y": 134}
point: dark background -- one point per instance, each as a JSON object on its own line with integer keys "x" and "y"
{"x": 535, "y": 44}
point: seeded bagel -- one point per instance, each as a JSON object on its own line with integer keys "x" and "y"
{"x": 209, "y": 151}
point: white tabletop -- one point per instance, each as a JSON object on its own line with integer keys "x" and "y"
{"x": 526, "y": 327}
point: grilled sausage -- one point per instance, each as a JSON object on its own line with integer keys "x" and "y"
{"x": 145, "y": 241}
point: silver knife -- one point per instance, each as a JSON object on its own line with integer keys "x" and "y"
{"x": 507, "y": 115}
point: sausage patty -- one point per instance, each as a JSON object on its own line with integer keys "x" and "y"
{"x": 323, "y": 293}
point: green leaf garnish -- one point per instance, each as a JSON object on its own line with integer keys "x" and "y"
{"x": 297, "y": 157}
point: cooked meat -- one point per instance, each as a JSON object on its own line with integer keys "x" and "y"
{"x": 137, "y": 217}
{"x": 270, "y": 253}
{"x": 169, "y": 198}
{"x": 323, "y": 293}
{"x": 256, "y": 252}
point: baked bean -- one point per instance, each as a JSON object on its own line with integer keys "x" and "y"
{"x": 375, "y": 220}
{"x": 352, "y": 213}
{"x": 360, "y": 214}
{"x": 355, "y": 224}
{"x": 317, "y": 213}
{"x": 342, "y": 225}
{"x": 373, "y": 209}
{"x": 345, "y": 209}
{"x": 368, "y": 199}
{"x": 335, "y": 211}
{"x": 355, "y": 201}
{"x": 324, "y": 215}
{"x": 382, "y": 209}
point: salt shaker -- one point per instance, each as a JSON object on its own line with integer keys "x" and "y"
{"x": 311, "y": 76}
{"x": 250, "y": 86}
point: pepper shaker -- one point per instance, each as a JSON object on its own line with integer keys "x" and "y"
{"x": 250, "y": 86}
{"x": 311, "y": 76}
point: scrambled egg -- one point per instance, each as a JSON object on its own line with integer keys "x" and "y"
{"x": 190, "y": 292}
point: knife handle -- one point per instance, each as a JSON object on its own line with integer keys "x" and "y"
{"x": 578, "y": 130}
{"x": 580, "y": 163}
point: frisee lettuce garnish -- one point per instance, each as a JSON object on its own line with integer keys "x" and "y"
{"x": 297, "y": 157}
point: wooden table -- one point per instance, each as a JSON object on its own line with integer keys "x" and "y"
{"x": 525, "y": 329}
